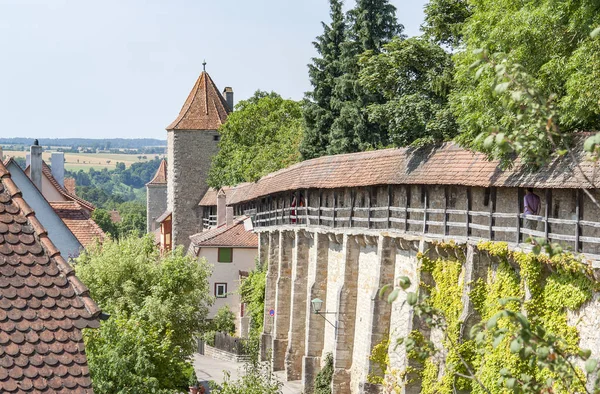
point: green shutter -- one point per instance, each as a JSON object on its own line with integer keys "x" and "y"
{"x": 225, "y": 255}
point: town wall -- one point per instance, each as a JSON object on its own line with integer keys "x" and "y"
{"x": 346, "y": 268}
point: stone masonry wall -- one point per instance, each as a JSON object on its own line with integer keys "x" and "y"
{"x": 156, "y": 204}
{"x": 189, "y": 154}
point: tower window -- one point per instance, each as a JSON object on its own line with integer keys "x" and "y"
{"x": 216, "y": 138}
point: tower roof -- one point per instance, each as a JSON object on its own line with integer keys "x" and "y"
{"x": 160, "y": 178}
{"x": 204, "y": 109}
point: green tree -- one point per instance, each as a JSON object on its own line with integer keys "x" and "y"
{"x": 103, "y": 219}
{"x": 261, "y": 136}
{"x": 550, "y": 42}
{"x": 319, "y": 113}
{"x": 414, "y": 76}
{"x": 371, "y": 25}
{"x": 252, "y": 293}
{"x": 133, "y": 219}
{"x": 156, "y": 305}
{"x": 224, "y": 321}
{"x": 444, "y": 21}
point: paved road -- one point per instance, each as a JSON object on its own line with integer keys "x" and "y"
{"x": 208, "y": 368}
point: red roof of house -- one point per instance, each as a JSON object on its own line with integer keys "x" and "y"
{"x": 229, "y": 236}
{"x": 160, "y": 178}
{"x": 204, "y": 109}
{"x": 78, "y": 220}
{"x": 445, "y": 164}
{"x": 43, "y": 306}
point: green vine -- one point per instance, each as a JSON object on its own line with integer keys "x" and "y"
{"x": 380, "y": 357}
{"x": 550, "y": 286}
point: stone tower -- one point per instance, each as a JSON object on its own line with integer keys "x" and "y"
{"x": 192, "y": 141}
{"x": 156, "y": 196}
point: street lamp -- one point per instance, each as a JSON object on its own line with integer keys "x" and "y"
{"x": 317, "y": 304}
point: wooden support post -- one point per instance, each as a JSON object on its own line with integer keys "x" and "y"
{"x": 389, "y": 204}
{"x": 334, "y": 206}
{"x": 445, "y": 210}
{"x": 351, "y": 214}
{"x": 319, "y": 210}
{"x": 297, "y": 207}
{"x": 547, "y": 209}
{"x": 492, "y": 206}
{"x": 519, "y": 201}
{"x": 406, "y": 206}
{"x": 369, "y": 207}
{"x": 306, "y": 206}
{"x": 425, "y": 203}
{"x": 468, "y": 216}
{"x": 578, "y": 215}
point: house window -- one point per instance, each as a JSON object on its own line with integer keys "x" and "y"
{"x": 221, "y": 290}
{"x": 225, "y": 255}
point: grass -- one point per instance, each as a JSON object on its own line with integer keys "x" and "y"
{"x": 85, "y": 161}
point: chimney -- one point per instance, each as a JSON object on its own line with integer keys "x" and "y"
{"x": 221, "y": 208}
{"x": 228, "y": 94}
{"x": 57, "y": 161}
{"x": 229, "y": 216}
{"x": 35, "y": 169}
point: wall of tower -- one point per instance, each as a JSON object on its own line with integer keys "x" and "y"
{"x": 189, "y": 155}
{"x": 156, "y": 204}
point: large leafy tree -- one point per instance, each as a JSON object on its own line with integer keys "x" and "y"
{"x": 371, "y": 25}
{"x": 318, "y": 111}
{"x": 156, "y": 304}
{"x": 414, "y": 76}
{"x": 551, "y": 44}
{"x": 444, "y": 21}
{"x": 262, "y": 135}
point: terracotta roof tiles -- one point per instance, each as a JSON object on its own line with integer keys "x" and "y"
{"x": 43, "y": 306}
{"x": 445, "y": 164}
{"x": 160, "y": 178}
{"x": 231, "y": 236}
{"x": 78, "y": 220}
{"x": 204, "y": 109}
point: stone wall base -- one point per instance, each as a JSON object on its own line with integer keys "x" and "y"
{"x": 224, "y": 355}
{"x": 310, "y": 368}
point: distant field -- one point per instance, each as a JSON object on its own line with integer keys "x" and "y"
{"x": 85, "y": 161}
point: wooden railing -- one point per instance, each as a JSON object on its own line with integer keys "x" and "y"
{"x": 209, "y": 222}
{"x": 419, "y": 221}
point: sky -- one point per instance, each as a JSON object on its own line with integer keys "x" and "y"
{"x": 123, "y": 68}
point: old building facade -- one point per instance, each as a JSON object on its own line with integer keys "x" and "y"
{"x": 340, "y": 228}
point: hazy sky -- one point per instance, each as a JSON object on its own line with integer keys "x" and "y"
{"x": 123, "y": 68}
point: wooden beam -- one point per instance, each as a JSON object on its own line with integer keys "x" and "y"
{"x": 334, "y": 206}
{"x": 519, "y": 202}
{"x": 351, "y": 214}
{"x": 369, "y": 207}
{"x": 492, "y": 206}
{"x": 467, "y": 216}
{"x": 319, "y": 210}
{"x": 445, "y": 210}
{"x": 547, "y": 209}
{"x": 297, "y": 195}
{"x": 389, "y": 204}
{"x": 406, "y": 206}
{"x": 306, "y": 207}
{"x": 425, "y": 203}
{"x": 578, "y": 215}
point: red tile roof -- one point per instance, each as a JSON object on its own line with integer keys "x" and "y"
{"x": 78, "y": 220}
{"x": 446, "y": 164}
{"x": 160, "y": 178}
{"x": 204, "y": 109}
{"x": 230, "y": 236}
{"x": 43, "y": 306}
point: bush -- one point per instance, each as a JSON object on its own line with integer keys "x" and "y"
{"x": 325, "y": 376}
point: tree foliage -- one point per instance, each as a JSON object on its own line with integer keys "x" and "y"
{"x": 319, "y": 113}
{"x": 156, "y": 304}
{"x": 414, "y": 76}
{"x": 444, "y": 21}
{"x": 549, "y": 41}
{"x": 261, "y": 136}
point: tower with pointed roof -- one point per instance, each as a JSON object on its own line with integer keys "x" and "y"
{"x": 192, "y": 141}
{"x": 156, "y": 196}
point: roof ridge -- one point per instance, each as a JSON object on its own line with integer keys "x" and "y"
{"x": 51, "y": 250}
{"x": 161, "y": 173}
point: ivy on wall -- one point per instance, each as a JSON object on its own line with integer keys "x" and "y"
{"x": 549, "y": 286}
